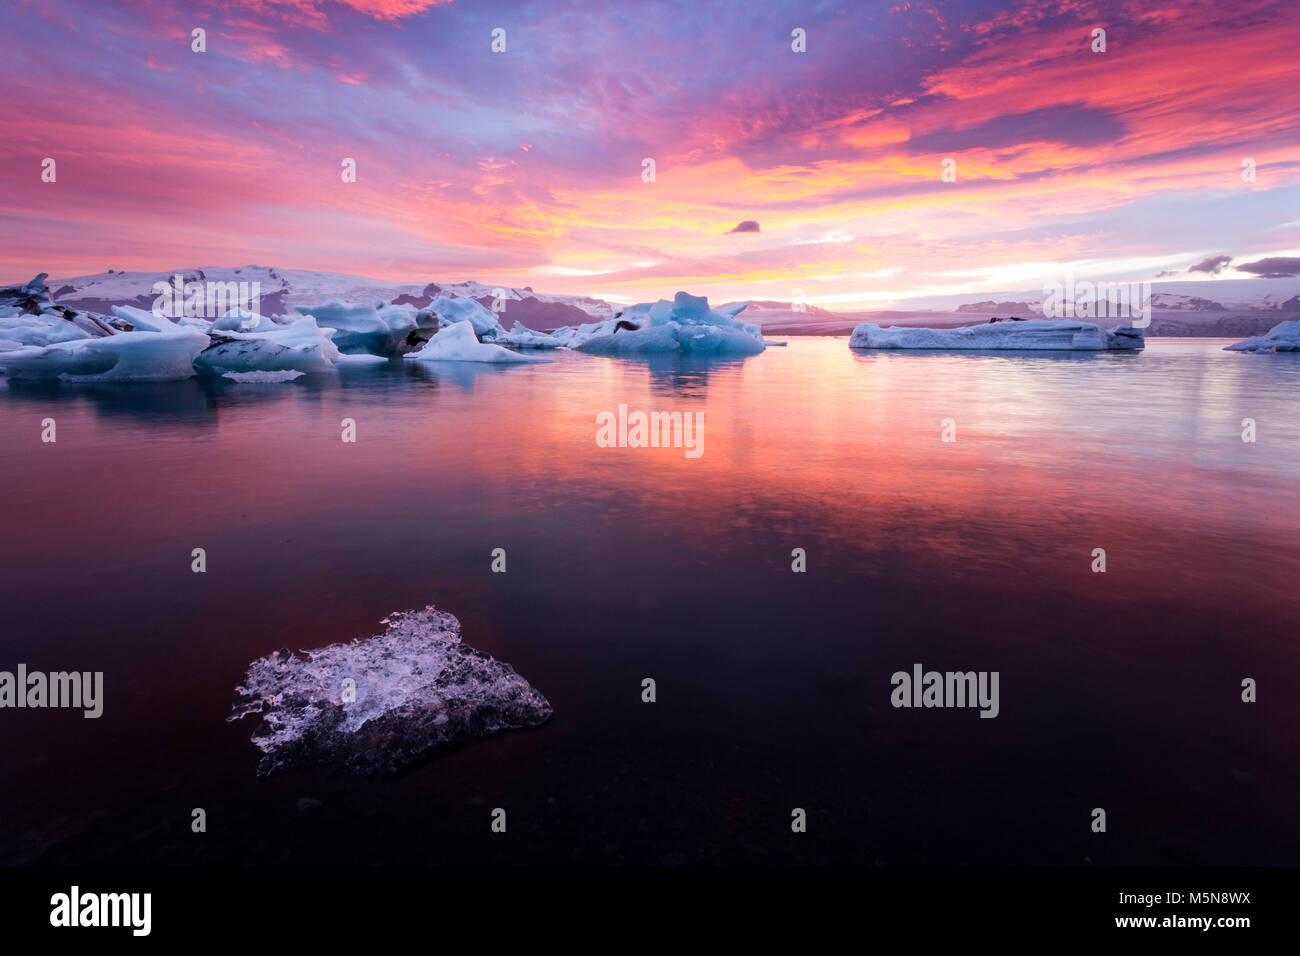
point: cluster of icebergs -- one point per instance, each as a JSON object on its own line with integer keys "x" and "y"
{"x": 39, "y": 339}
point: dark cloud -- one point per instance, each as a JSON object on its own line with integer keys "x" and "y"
{"x": 749, "y": 225}
{"x": 1277, "y": 267}
{"x": 1167, "y": 274}
{"x": 1071, "y": 124}
{"x": 1213, "y": 265}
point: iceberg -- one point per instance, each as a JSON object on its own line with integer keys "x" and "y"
{"x": 375, "y": 329}
{"x": 1283, "y": 337}
{"x": 127, "y": 357}
{"x": 458, "y": 343}
{"x": 380, "y": 704}
{"x": 1029, "y": 334}
{"x": 29, "y": 317}
{"x": 300, "y": 346}
{"x": 452, "y": 310}
{"x": 686, "y": 325}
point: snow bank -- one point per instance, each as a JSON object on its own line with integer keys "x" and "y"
{"x": 410, "y": 691}
{"x": 1031, "y": 334}
{"x": 458, "y": 343}
{"x": 1283, "y": 337}
{"x": 685, "y": 325}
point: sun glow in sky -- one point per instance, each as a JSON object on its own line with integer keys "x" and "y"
{"x": 777, "y": 174}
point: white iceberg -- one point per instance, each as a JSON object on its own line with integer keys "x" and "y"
{"x": 261, "y": 378}
{"x": 411, "y": 691}
{"x": 127, "y": 357}
{"x": 686, "y": 325}
{"x": 1283, "y": 337}
{"x": 378, "y": 330}
{"x": 300, "y": 346}
{"x": 458, "y": 343}
{"x": 29, "y": 317}
{"x": 452, "y": 310}
{"x": 1030, "y": 334}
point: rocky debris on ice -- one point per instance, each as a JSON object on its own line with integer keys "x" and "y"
{"x": 1026, "y": 334}
{"x": 380, "y": 704}
{"x": 686, "y": 325}
{"x": 1283, "y": 337}
{"x": 458, "y": 343}
{"x": 29, "y": 317}
{"x": 153, "y": 354}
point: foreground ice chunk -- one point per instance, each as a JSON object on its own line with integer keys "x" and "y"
{"x": 1031, "y": 334}
{"x": 458, "y": 343}
{"x": 417, "y": 689}
{"x": 685, "y": 325}
{"x": 1283, "y": 337}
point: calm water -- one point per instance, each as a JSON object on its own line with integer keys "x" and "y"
{"x": 1118, "y": 690}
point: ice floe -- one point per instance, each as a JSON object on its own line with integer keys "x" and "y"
{"x": 1029, "y": 334}
{"x": 300, "y": 346}
{"x": 377, "y": 329}
{"x": 1283, "y": 337}
{"x": 380, "y": 704}
{"x": 127, "y": 357}
{"x": 29, "y": 317}
{"x": 458, "y": 343}
{"x": 685, "y": 325}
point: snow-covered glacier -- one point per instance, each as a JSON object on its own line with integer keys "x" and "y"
{"x": 686, "y": 325}
{"x": 1283, "y": 337}
{"x": 379, "y": 704}
{"x": 1029, "y": 334}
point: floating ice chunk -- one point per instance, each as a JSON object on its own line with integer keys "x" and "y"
{"x": 685, "y": 325}
{"x": 452, "y": 310}
{"x": 1283, "y": 337}
{"x": 144, "y": 320}
{"x": 382, "y": 703}
{"x": 242, "y": 320}
{"x": 361, "y": 360}
{"x": 522, "y": 337}
{"x": 127, "y": 357}
{"x": 458, "y": 343}
{"x": 28, "y": 316}
{"x": 39, "y": 330}
{"x": 361, "y": 328}
{"x": 1031, "y": 334}
{"x": 261, "y": 377}
{"x": 301, "y": 346}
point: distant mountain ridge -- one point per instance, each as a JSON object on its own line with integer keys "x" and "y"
{"x": 283, "y": 290}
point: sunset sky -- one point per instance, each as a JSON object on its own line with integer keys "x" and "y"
{"x": 525, "y": 167}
